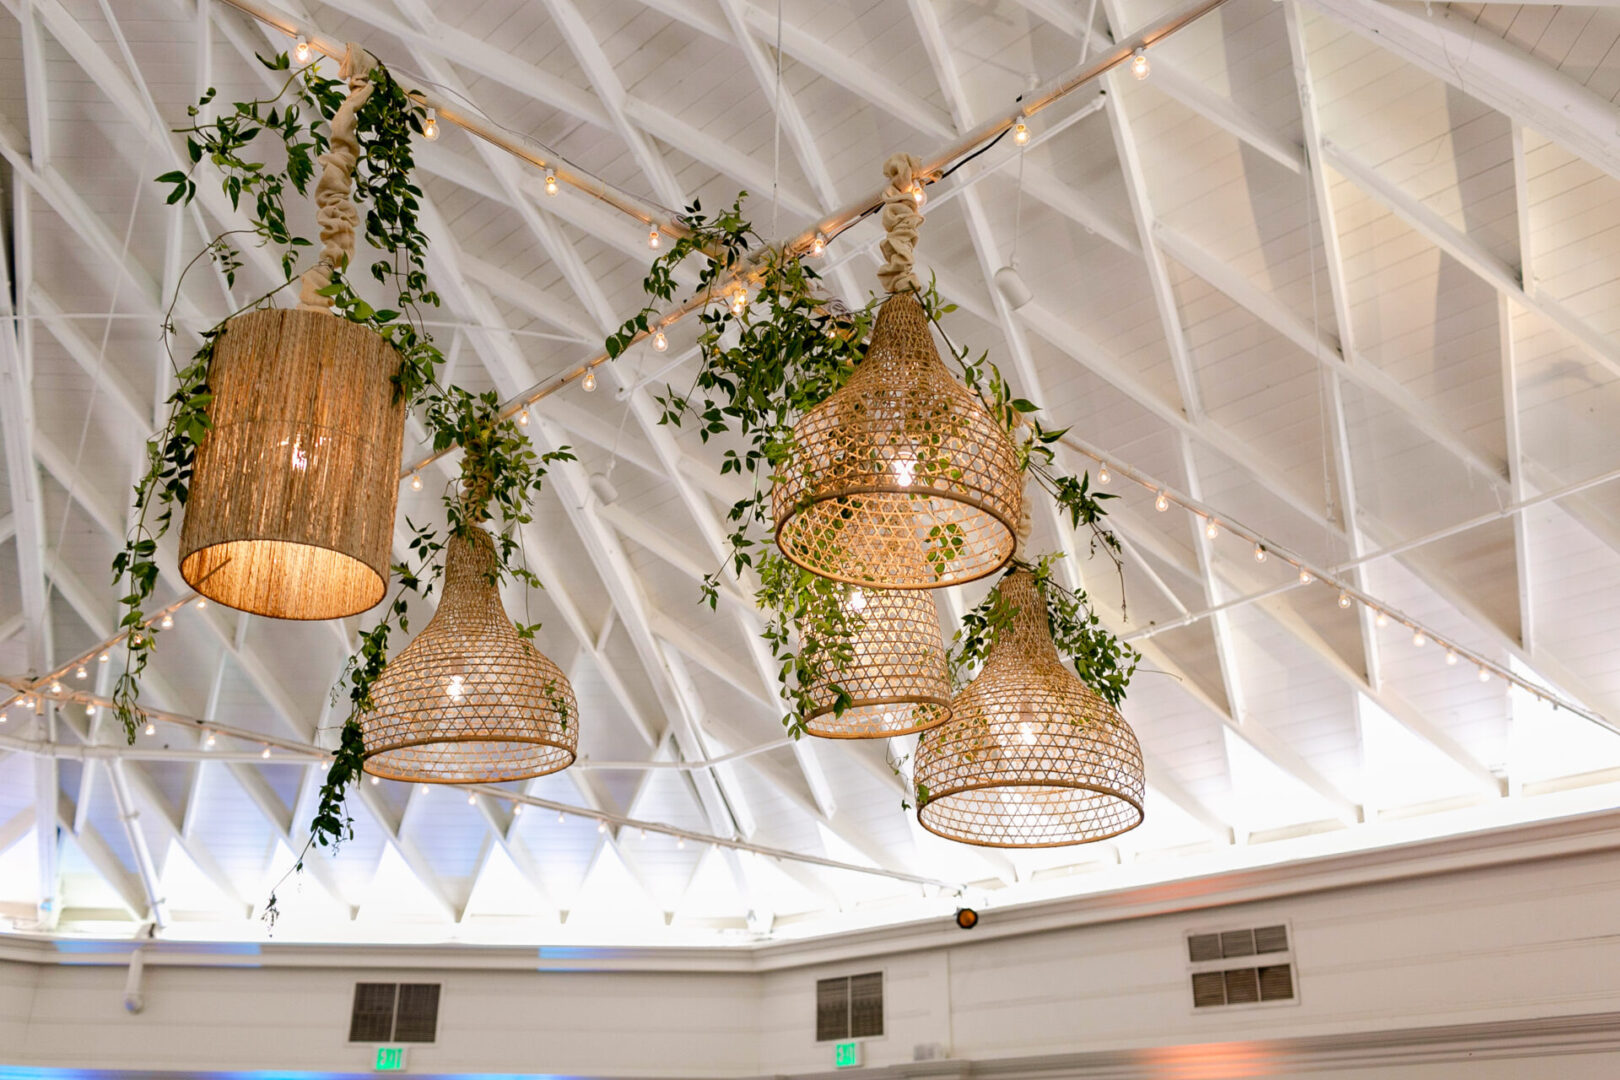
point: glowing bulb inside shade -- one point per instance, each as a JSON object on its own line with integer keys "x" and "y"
{"x": 905, "y": 470}
{"x": 301, "y": 50}
{"x": 265, "y": 753}
{"x": 1304, "y": 576}
{"x": 1026, "y": 733}
{"x": 416, "y": 482}
{"x": 1344, "y": 599}
{"x": 1103, "y": 475}
{"x": 1139, "y": 64}
{"x": 588, "y": 383}
{"x": 1212, "y": 530}
{"x": 1484, "y": 673}
{"x": 1451, "y": 657}
{"x": 456, "y": 689}
{"x": 430, "y": 126}
{"x": 151, "y": 728}
{"x": 523, "y": 418}
{"x": 818, "y": 246}
{"x": 1020, "y": 133}
{"x": 857, "y": 600}
{"x": 1259, "y": 553}
{"x": 1381, "y": 621}
{"x": 660, "y": 342}
{"x": 168, "y": 622}
{"x": 551, "y": 183}
{"x": 1419, "y": 638}
{"x": 1162, "y": 503}
{"x": 81, "y": 673}
{"x": 653, "y": 239}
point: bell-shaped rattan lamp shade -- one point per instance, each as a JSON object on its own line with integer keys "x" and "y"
{"x": 1031, "y": 757}
{"x": 290, "y": 513}
{"x": 469, "y": 701}
{"x": 896, "y": 676}
{"x": 901, "y": 479}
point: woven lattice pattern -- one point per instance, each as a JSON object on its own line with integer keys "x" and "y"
{"x": 901, "y": 479}
{"x": 896, "y": 677}
{"x": 291, "y": 507}
{"x": 1031, "y": 757}
{"x": 468, "y": 701}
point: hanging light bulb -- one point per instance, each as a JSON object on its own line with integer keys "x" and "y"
{"x": 1344, "y": 599}
{"x": 81, "y": 673}
{"x": 523, "y": 418}
{"x": 1259, "y": 553}
{"x": 1304, "y": 576}
{"x": 56, "y": 686}
{"x": 209, "y": 739}
{"x": 151, "y": 728}
{"x": 1162, "y": 503}
{"x": 472, "y": 800}
{"x": 1139, "y": 64}
{"x": 90, "y": 709}
{"x": 1103, "y": 475}
{"x": 430, "y": 126}
{"x": 517, "y": 809}
{"x": 601, "y": 827}
{"x": 202, "y": 602}
{"x": 416, "y": 481}
{"x": 560, "y": 817}
{"x": 104, "y": 657}
{"x": 1451, "y": 657}
{"x": 265, "y": 753}
{"x": 653, "y": 239}
{"x": 375, "y": 780}
{"x": 1484, "y": 673}
{"x": 918, "y": 195}
{"x": 739, "y": 302}
{"x": 588, "y": 383}
{"x": 551, "y": 183}
{"x": 168, "y": 622}
{"x": 1381, "y": 620}
{"x": 818, "y": 245}
{"x": 1020, "y": 133}
{"x": 660, "y": 342}
{"x": 301, "y": 50}
{"x": 680, "y": 842}
{"x": 1418, "y": 637}
{"x": 1212, "y": 530}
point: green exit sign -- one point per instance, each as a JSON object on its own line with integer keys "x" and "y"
{"x": 846, "y": 1055}
{"x": 390, "y": 1058}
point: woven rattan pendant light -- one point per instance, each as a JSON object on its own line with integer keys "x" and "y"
{"x": 468, "y": 700}
{"x": 897, "y": 677}
{"x": 290, "y": 511}
{"x": 901, "y": 479}
{"x": 1031, "y": 757}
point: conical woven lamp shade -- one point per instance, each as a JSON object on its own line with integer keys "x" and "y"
{"x": 1031, "y": 757}
{"x": 468, "y": 701}
{"x": 901, "y": 479}
{"x": 897, "y": 675}
{"x": 290, "y": 512}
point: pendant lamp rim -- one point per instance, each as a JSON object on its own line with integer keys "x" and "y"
{"x": 934, "y": 705}
{"x": 216, "y": 574}
{"x": 375, "y": 762}
{"x": 923, "y": 817}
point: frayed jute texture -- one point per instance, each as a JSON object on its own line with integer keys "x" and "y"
{"x": 900, "y": 479}
{"x": 897, "y": 678}
{"x": 290, "y": 512}
{"x": 1031, "y": 757}
{"x": 469, "y": 701}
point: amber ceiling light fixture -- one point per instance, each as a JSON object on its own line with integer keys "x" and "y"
{"x": 290, "y": 512}
{"x": 901, "y": 479}
{"x": 896, "y": 679}
{"x": 1031, "y": 757}
{"x": 468, "y": 701}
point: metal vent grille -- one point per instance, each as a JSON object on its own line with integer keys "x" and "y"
{"x": 394, "y": 1012}
{"x": 1242, "y": 986}
{"x": 849, "y": 1007}
{"x": 1220, "y": 976}
{"x": 1277, "y": 983}
{"x": 372, "y": 1019}
{"x": 1268, "y": 939}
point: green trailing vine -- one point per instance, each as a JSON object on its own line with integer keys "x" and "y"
{"x": 767, "y": 360}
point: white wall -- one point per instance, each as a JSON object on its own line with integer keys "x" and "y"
{"x": 1384, "y": 971}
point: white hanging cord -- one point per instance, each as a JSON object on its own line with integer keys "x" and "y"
{"x": 902, "y": 215}
{"x": 1018, "y": 209}
{"x": 334, "y": 200}
{"x": 776, "y": 146}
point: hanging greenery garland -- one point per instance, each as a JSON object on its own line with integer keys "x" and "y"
{"x": 767, "y": 359}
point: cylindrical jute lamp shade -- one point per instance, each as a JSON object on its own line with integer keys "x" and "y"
{"x": 1031, "y": 757}
{"x": 468, "y": 701}
{"x": 901, "y": 479}
{"x": 897, "y": 677}
{"x": 290, "y": 512}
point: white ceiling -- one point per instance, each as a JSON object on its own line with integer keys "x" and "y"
{"x": 1345, "y": 270}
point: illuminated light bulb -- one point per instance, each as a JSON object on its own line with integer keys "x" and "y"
{"x": 301, "y": 50}
{"x": 1304, "y": 576}
{"x": 1344, "y": 599}
{"x": 660, "y": 342}
{"x": 588, "y": 383}
{"x": 81, "y": 673}
{"x": 1026, "y": 733}
{"x": 104, "y": 657}
{"x": 472, "y": 800}
{"x": 1139, "y": 64}
{"x": 551, "y": 183}
{"x": 560, "y": 817}
{"x": 1020, "y": 133}
{"x": 1451, "y": 657}
{"x": 1259, "y": 553}
{"x": 1419, "y": 638}
{"x": 857, "y": 600}
{"x": 1484, "y": 673}
{"x": 680, "y": 842}
{"x": 265, "y": 753}
{"x": 210, "y": 740}
{"x": 375, "y": 780}
{"x": 90, "y": 710}
{"x": 201, "y": 603}
{"x": 151, "y": 728}
{"x": 644, "y": 834}
{"x": 601, "y": 827}
{"x": 430, "y": 126}
{"x": 739, "y": 302}
{"x": 1162, "y": 503}
{"x": 653, "y": 239}
{"x": 1381, "y": 621}
{"x": 135, "y": 640}
{"x": 905, "y": 470}
{"x": 818, "y": 245}
{"x": 1103, "y": 475}
{"x": 919, "y": 196}
{"x": 517, "y": 809}
{"x": 1213, "y": 529}
{"x": 424, "y": 790}
{"x": 56, "y": 687}
{"x": 456, "y": 689}
{"x": 416, "y": 482}
{"x": 523, "y": 418}
{"x": 168, "y": 622}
